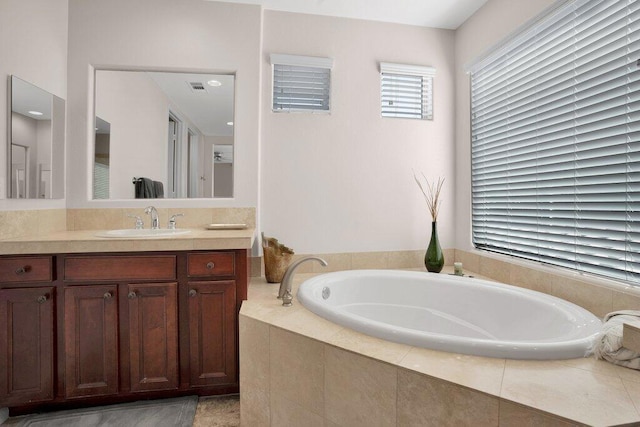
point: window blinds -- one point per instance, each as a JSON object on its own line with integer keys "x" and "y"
{"x": 301, "y": 83}
{"x": 406, "y": 91}
{"x": 556, "y": 142}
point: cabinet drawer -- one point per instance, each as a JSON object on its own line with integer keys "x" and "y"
{"x": 130, "y": 267}
{"x": 210, "y": 264}
{"x": 26, "y": 269}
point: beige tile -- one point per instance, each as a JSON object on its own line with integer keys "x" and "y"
{"x": 336, "y": 262}
{"x": 597, "y": 300}
{"x": 18, "y": 224}
{"x": 513, "y": 415}
{"x": 234, "y": 216}
{"x": 496, "y": 269}
{"x": 304, "y": 322}
{"x": 285, "y": 413}
{"x": 193, "y": 217}
{"x": 576, "y": 394}
{"x": 625, "y": 301}
{"x": 480, "y": 373}
{"x": 359, "y": 391}
{"x": 297, "y": 369}
{"x": 369, "y": 260}
{"x": 470, "y": 261}
{"x": 254, "y": 353}
{"x": 426, "y": 401}
{"x": 528, "y": 278}
{"x": 633, "y": 388}
{"x": 257, "y": 266}
{"x": 101, "y": 219}
{"x": 407, "y": 259}
{"x": 375, "y": 348}
{"x": 51, "y": 221}
{"x": 254, "y": 408}
{"x": 449, "y": 256}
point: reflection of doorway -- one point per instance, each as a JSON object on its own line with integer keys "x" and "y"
{"x": 175, "y": 164}
{"x": 19, "y": 171}
{"x": 193, "y": 165}
{"x": 101, "y": 160}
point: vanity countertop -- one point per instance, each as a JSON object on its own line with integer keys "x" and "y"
{"x": 87, "y": 241}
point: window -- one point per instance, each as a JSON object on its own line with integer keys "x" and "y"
{"x": 406, "y": 91}
{"x": 301, "y": 83}
{"x": 556, "y": 141}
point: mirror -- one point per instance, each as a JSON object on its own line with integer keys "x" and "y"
{"x": 163, "y": 135}
{"x": 36, "y": 145}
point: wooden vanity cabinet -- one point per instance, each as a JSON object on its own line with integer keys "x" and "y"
{"x": 121, "y": 326}
{"x": 27, "y": 330}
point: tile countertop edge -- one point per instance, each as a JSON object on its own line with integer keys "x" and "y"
{"x": 261, "y": 307}
{"x": 87, "y": 241}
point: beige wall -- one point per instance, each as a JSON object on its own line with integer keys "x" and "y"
{"x": 487, "y": 27}
{"x": 342, "y": 182}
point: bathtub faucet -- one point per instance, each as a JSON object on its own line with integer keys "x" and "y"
{"x": 285, "y": 286}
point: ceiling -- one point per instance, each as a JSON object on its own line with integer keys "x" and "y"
{"x": 448, "y": 14}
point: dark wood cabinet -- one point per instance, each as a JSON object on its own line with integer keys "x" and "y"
{"x": 26, "y": 345}
{"x": 90, "y": 340}
{"x": 153, "y": 336}
{"x": 91, "y": 328}
{"x": 212, "y": 333}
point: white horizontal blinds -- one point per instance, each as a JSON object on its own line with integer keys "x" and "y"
{"x": 556, "y": 142}
{"x": 406, "y": 91}
{"x": 301, "y": 83}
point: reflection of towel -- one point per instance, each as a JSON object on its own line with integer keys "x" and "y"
{"x": 608, "y": 345}
{"x": 145, "y": 189}
{"x": 159, "y": 189}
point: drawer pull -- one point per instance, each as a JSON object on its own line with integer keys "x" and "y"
{"x": 22, "y": 270}
{"x": 193, "y": 293}
{"x": 41, "y": 299}
{"x": 107, "y": 295}
{"x": 210, "y": 265}
{"x": 131, "y": 295}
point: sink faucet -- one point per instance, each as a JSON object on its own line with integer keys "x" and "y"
{"x": 285, "y": 286}
{"x": 154, "y": 217}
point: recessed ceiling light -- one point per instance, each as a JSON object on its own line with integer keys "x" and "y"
{"x": 214, "y": 83}
{"x": 35, "y": 113}
{"x": 230, "y": 123}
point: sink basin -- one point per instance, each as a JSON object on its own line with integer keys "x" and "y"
{"x": 131, "y": 233}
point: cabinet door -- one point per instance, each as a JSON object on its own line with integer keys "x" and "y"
{"x": 212, "y": 333}
{"x": 26, "y": 343}
{"x": 153, "y": 336}
{"x": 91, "y": 340}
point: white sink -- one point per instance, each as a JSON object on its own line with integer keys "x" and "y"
{"x": 132, "y": 233}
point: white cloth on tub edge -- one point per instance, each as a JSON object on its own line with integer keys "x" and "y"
{"x": 608, "y": 345}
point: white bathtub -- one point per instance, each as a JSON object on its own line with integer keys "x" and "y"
{"x": 451, "y": 313}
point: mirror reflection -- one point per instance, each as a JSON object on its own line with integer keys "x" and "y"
{"x": 163, "y": 135}
{"x": 36, "y": 149}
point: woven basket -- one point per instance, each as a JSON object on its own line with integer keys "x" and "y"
{"x": 277, "y": 258}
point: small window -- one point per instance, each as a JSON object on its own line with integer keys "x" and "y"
{"x": 301, "y": 83}
{"x": 406, "y": 91}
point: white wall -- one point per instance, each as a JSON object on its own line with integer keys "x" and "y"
{"x": 34, "y": 48}
{"x": 488, "y": 26}
{"x": 342, "y": 182}
{"x": 165, "y": 35}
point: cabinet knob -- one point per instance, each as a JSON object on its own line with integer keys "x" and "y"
{"x": 107, "y": 295}
{"x": 22, "y": 270}
{"x": 210, "y": 265}
{"x": 131, "y": 295}
{"x": 41, "y": 299}
{"x": 193, "y": 293}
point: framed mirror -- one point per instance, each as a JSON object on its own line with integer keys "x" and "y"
{"x": 36, "y": 143}
{"x": 157, "y": 135}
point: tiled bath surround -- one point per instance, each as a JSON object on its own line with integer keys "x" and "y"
{"x": 299, "y": 369}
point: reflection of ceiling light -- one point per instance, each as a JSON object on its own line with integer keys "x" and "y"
{"x": 214, "y": 83}
{"x": 230, "y": 123}
{"x": 35, "y": 113}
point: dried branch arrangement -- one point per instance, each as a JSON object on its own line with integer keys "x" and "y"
{"x": 431, "y": 192}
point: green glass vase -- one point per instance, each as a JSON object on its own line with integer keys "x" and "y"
{"x": 434, "y": 258}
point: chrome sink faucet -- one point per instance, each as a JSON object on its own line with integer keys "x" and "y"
{"x": 154, "y": 217}
{"x": 284, "y": 292}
